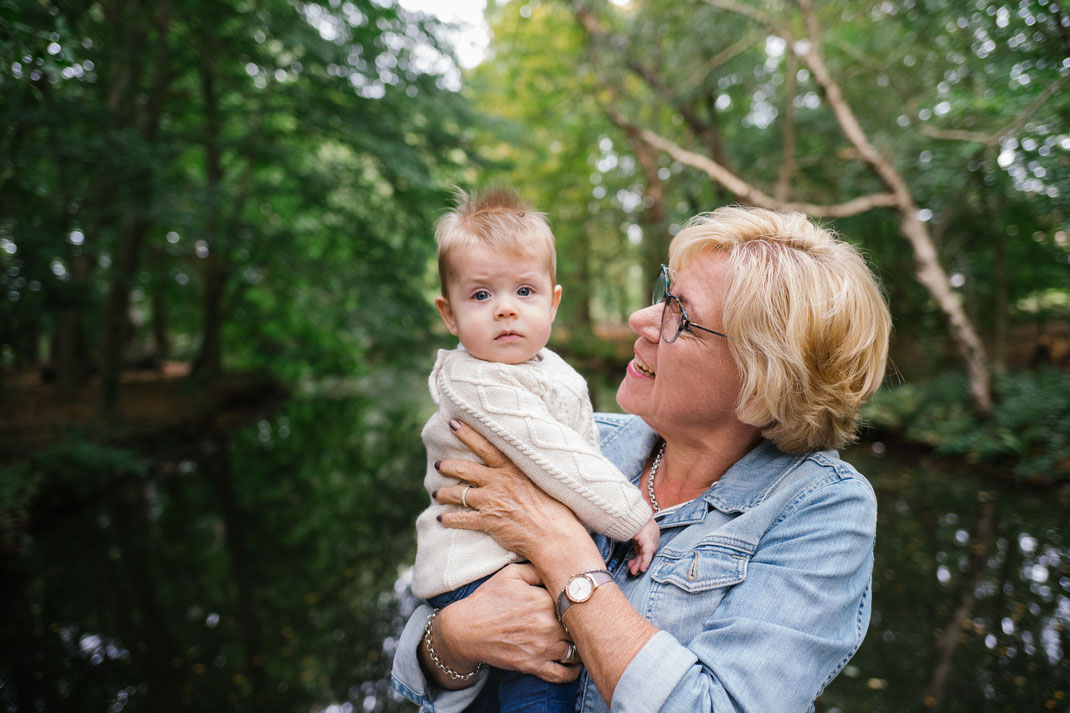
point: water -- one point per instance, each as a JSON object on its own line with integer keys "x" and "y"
{"x": 971, "y": 567}
{"x": 265, "y": 570}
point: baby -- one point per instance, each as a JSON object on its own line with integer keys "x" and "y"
{"x": 497, "y": 268}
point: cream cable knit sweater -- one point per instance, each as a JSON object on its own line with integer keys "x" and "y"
{"x": 539, "y": 414}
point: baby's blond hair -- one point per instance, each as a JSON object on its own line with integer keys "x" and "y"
{"x": 497, "y": 218}
{"x": 807, "y": 321}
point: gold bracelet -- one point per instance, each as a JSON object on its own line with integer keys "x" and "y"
{"x": 438, "y": 662}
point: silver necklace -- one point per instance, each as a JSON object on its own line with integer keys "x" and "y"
{"x": 653, "y": 472}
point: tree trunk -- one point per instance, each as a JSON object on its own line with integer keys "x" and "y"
{"x": 128, "y": 107}
{"x": 67, "y": 360}
{"x": 71, "y": 356}
{"x": 581, "y": 303}
{"x": 33, "y": 346}
{"x": 209, "y": 363}
{"x": 655, "y": 232}
{"x": 1000, "y": 300}
{"x": 68, "y": 352}
{"x": 161, "y": 339}
{"x": 929, "y": 271}
{"x": 115, "y": 331}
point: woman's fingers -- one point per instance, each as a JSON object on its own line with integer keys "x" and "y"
{"x": 466, "y": 496}
{"x": 554, "y": 672}
{"x": 475, "y": 473}
{"x": 517, "y": 626}
{"x": 527, "y": 573}
{"x": 463, "y": 520}
{"x": 461, "y": 494}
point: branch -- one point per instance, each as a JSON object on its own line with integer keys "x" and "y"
{"x": 787, "y": 153}
{"x": 995, "y": 137}
{"x": 842, "y": 111}
{"x": 906, "y": 94}
{"x": 981, "y": 137}
{"x": 707, "y": 132}
{"x": 713, "y": 63}
{"x": 751, "y": 195}
{"x": 929, "y": 271}
{"x": 746, "y": 11}
{"x": 787, "y": 168}
{"x": 649, "y": 164}
{"x": 587, "y": 21}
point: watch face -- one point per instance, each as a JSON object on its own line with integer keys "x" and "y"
{"x": 579, "y": 589}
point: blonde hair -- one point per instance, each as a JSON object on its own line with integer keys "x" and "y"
{"x": 497, "y": 218}
{"x": 807, "y": 322}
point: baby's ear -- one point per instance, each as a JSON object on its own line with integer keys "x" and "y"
{"x": 556, "y": 300}
{"x": 443, "y": 306}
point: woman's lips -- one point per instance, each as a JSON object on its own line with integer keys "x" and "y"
{"x": 640, "y": 370}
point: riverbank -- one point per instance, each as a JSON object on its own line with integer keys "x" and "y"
{"x": 157, "y": 405}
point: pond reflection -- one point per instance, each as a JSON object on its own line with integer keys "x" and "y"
{"x": 267, "y": 570}
{"x": 971, "y": 596}
{"x": 253, "y": 571}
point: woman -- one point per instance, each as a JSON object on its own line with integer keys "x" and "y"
{"x": 750, "y": 366}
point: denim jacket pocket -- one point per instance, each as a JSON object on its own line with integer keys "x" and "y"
{"x": 688, "y": 584}
{"x": 714, "y": 561}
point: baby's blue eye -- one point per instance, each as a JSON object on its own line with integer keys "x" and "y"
{"x": 481, "y": 295}
{"x": 524, "y": 291}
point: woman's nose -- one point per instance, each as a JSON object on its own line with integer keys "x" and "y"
{"x": 646, "y": 322}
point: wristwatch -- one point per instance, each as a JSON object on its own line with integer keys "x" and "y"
{"x": 580, "y": 588}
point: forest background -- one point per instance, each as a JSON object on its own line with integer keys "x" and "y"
{"x": 216, "y": 262}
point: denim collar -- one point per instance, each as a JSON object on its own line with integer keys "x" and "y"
{"x": 745, "y": 485}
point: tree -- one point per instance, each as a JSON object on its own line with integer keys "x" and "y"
{"x": 810, "y": 51}
{"x": 715, "y": 85}
{"x": 282, "y": 161}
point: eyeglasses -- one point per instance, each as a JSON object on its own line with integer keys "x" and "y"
{"x": 674, "y": 317}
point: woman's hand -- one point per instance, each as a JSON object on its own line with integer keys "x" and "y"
{"x": 503, "y": 502}
{"x": 509, "y": 622}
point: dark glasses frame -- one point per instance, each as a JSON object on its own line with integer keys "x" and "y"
{"x": 672, "y": 304}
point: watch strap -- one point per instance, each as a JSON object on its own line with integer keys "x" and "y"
{"x": 598, "y": 577}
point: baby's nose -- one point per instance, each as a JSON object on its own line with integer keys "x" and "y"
{"x": 506, "y": 308}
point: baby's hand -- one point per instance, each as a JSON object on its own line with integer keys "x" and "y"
{"x": 646, "y": 544}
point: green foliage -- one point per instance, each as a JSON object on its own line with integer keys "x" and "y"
{"x": 68, "y": 471}
{"x": 268, "y": 172}
{"x": 960, "y": 97}
{"x": 1029, "y": 434}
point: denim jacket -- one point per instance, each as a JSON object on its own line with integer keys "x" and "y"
{"x": 760, "y": 587}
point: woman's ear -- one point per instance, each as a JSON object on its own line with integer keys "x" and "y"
{"x": 443, "y": 306}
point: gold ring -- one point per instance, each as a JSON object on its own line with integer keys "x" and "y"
{"x": 571, "y": 657}
{"x": 464, "y": 495}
